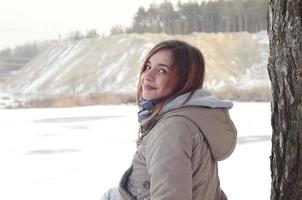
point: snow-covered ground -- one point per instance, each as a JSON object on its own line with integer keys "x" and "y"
{"x": 78, "y": 153}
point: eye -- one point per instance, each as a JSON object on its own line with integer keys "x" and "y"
{"x": 147, "y": 67}
{"x": 163, "y": 71}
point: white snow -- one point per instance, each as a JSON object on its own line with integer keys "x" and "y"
{"x": 53, "y": 68}
{"x": 256, "y": 75}
{"x": 114, "y": 68}
{"x": 261, "y": 37}
{"x": 78, "y": 153}
{"x": 233, "y": 79}
{"x": 214, "y": 84}
{"x": 145, "y": 49}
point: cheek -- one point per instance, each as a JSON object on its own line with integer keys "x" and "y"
{"x": 168, "y": 85}
{"x": 173, "y": 81}
{"x": 141, "y": 79}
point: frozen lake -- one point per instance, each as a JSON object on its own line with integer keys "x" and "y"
{"x": 78, "y": 153}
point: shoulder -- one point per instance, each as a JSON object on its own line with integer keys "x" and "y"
{"x": 201, "y": 115}
{"x": 172, "y": 127}
{"x": 174, "y": 121}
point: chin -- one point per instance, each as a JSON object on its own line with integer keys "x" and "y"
{"x": 148, "y": 97}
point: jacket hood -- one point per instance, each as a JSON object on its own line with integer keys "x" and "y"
{"x": 200, "y": 98}
{"x": 211, "y": 116}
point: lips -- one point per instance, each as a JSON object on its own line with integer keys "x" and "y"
{"x": 148, "y": 87}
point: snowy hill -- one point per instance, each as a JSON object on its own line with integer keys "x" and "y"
{"x": 111, "y": 64}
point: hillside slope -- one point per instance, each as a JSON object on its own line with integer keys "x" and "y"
{"x": 111, "y": 64}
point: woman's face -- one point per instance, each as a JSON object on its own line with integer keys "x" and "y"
{"x": 157, "y": 79}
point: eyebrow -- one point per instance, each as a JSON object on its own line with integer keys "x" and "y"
{"x": 160, "y": 64}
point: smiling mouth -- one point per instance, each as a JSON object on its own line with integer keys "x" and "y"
{"x": 147, "y": 87}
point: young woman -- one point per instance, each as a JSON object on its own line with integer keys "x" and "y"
{"x": 183, "y": 132}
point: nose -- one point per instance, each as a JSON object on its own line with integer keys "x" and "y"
{"x": 148, "y": 75}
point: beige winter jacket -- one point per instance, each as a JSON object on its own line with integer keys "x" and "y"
{"x": 177, "y": 158}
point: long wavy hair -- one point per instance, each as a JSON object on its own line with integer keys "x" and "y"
{"x": 188, "y": 69}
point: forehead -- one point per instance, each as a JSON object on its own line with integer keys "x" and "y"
{"x": 164, "y": 56}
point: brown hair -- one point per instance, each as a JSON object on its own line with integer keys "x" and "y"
{"x": 188, "y": 67}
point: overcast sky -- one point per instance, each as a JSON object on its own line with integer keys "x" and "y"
{"x": 24, "y": 21}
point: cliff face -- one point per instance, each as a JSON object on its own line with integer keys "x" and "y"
{"x": 112, "y": 64}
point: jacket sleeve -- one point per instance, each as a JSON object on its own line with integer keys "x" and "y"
{"x": 168, "y": 159}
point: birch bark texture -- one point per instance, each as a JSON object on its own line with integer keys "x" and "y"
{"x": 285, "y": 72}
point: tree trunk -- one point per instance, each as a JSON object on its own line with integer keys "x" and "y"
{"x": 285, "y": 71}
